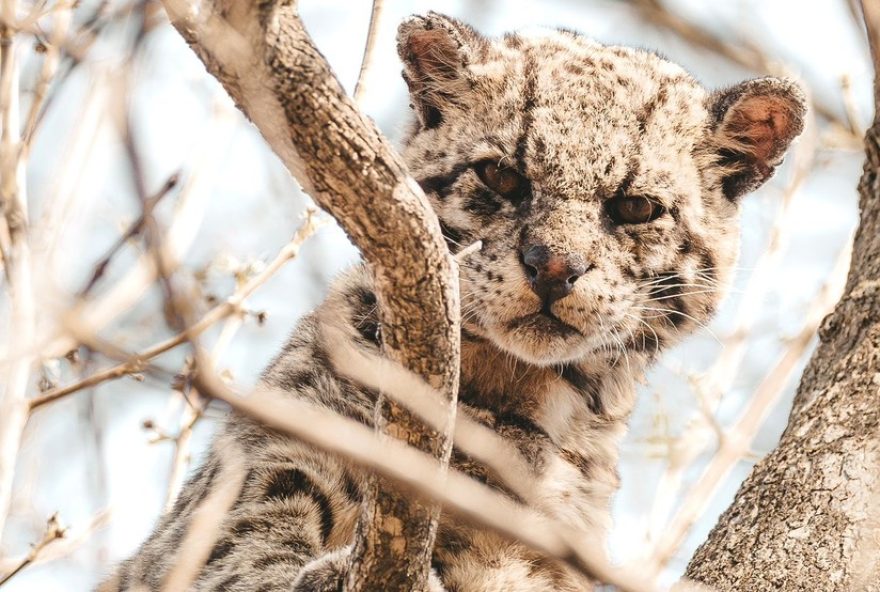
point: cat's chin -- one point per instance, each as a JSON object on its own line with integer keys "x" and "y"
{"x": 540, "y": 340}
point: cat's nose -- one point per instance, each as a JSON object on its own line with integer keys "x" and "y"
{"x": 551, "y": 275}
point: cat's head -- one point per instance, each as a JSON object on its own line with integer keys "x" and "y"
{"x": 603, "y": 181}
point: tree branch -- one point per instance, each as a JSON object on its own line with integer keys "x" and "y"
{"x": 230, "y": 306}
{"x": 53, "y": 532}
{"x": 264, "y": 58}
{"x": 802, "y": 518}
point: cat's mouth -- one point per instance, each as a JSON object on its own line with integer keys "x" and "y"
{"x": 544, "y": 322}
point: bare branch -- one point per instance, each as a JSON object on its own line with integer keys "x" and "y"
{"x": 16, "y": 257}
{"x": 283, "y": 84}
{"x": 53, "y": 532}
{"x": 230, "y": 306}
{"x": 370, "y": 43}
{"x": 74, "y": 538}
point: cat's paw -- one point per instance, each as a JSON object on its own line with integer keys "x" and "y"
{"x": 327, "y": 574}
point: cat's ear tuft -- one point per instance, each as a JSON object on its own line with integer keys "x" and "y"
{"x": 436, "y": 51}
{"x": 753, "y": 124}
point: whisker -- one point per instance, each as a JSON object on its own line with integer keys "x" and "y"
{"x": 678, "y": 312}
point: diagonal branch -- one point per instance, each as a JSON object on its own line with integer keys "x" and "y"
{"x": 264, "y": 58}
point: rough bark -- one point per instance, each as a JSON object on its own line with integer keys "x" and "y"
{"x": 264, "y": 58}
{"x": 807, "y": 516}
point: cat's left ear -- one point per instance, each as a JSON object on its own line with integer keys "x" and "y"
{"x": 436, "y": 51}
{"x": 754, "y": 124}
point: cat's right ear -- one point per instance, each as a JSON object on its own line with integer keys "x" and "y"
{"x": 436, "y": 51}
{"x": 754, "y": 123}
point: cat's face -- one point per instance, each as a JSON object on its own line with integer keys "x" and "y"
{"x": 602, "y": 181}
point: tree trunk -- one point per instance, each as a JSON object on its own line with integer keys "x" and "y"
{"x": 808, "y": 516}
{"x": 263, "y": 57}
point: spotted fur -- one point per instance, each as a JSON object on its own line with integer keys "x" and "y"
{"x": 581, "y": 124}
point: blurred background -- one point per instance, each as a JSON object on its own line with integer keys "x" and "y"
{"x": 129, "y": 106}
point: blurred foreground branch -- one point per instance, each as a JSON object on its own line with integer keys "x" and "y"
{"x": 422, "y": 475}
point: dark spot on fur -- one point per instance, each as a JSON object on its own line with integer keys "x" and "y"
{"x": 646, "y": 114}
{"x": 575, "y": 69}
{"x": 519, "y": 422}
{"x": 581, "y": 462}
{"x": 679, "y": 314}
{"x": 296, "y": 378}
{"x": 370, "y": 330}
{"x": 483, "y": 203}
{"x": 221, "y": 549}
{"x": 271, "y": 559}
{"x": 687, "y": 246}
{"x": 609, "y": 166}
{"x": 708, "y": 262}
{"x": 367, "y": 297}
{"x": 227, "y": 583}
{"x": 585, "y": 384}
{"x": 645, "y": 342}
{"x": 350, "y": 486}
{"x": 299, "y": 546}
{"x": 441, "y": 185}
{"x": 248, "y": 525}
{"x": 288, "y": 483}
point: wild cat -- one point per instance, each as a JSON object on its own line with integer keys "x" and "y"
{"x": 604, "y": 183}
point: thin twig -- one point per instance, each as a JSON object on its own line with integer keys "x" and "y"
{"x": 17, "y": 259}
{"x": 367, "y": 60}
{"x": 73, "y": 539}
{"x": 133, "y": 230}
{"x": 61, "y": 14}
{"x": 53, "y": 532}
{"x": 230, "y": 306}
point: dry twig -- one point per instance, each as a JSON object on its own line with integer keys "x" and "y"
{"x": 53, "y": 532}
{"x": 231, "y": 306}
{"x": 367, "y": 60}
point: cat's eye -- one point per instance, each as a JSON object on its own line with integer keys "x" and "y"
{"x": 502, "y": 180}
{"x": 633, "y": 209}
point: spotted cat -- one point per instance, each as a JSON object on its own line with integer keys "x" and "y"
{"x": 604, "y": 183}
